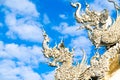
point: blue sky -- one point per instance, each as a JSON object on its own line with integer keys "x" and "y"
{"x": 21, "y": 37}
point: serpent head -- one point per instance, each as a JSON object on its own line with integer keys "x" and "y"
{"x": 76, "y": 4}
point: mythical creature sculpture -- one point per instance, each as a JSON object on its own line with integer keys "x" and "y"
{"x": 102, "y": 65}
{"x": 101, "y": 31}
{"x": 91, "y": 19}
{"x": 62, "y": 59}
{"x": 99, "y": 69}
{"x": 104, "y": 33}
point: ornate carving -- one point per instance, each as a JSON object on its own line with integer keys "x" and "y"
{"x": 62, "y": 59}
{"x": 100, "y": 65}
{"x": 91, "y": 19}
{"x": 102, "y": 32}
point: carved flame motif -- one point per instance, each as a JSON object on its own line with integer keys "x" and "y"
{"x": 62, "y": 59}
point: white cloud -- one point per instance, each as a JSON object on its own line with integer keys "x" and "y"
{"x": 1, "y": 2}
{"x": 23, "y": 7}
{"x": 23, "y": 28}
{"x": 48, "y": 75}
{"x": 17, "y": 61}
{"x": 21, "y": 18}
{"x": 27, "y": 55}
{"x": 99, "y": 5}
{"x": 65, "y": 29}
{"x": 9, "y": 71}
{"x": 27, "y": 72}
{"x": 79, "y": 43}
{"x": 63, "y": 16}
{"x": 46, "y": 19}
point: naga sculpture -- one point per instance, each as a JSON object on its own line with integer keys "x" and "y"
{"x": 91, "y": 19}
{"x": 100, "y": 65}
{"x": 102, "y": 32}
{"x": 62, "y": 59}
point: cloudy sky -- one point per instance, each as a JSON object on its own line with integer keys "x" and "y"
{"x": 21, "y": 37}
